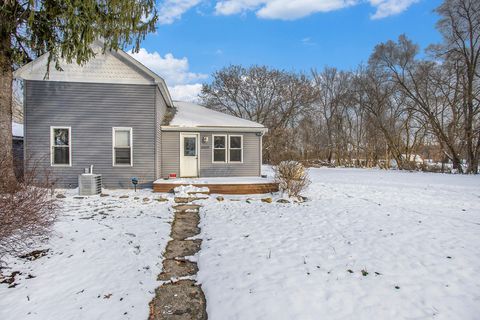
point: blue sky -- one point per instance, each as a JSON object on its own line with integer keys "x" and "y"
{"x": 197, "y": 37}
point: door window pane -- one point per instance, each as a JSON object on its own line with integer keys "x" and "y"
{"x": 189, "y": 146}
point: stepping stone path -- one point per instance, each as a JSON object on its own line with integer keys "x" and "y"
{"x": 180, "y": 297}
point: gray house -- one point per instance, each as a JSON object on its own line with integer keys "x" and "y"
{"x": 117, "y": 115}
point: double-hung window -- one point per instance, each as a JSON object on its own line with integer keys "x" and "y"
{"x": 227, "y": 148}
{"x": 122, "y": 147}
{"x": 220, "y": 148}
{"x": 60, "y": 146}
{"x": 235, "y": 148}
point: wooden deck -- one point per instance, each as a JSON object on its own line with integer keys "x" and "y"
{"x": 244, "y": 187}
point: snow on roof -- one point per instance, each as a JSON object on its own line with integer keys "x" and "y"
{"x": 193, "y": 115}
{"x": 17, "y": 129}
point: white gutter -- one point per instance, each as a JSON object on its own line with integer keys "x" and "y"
{"x": 215, "y": 129}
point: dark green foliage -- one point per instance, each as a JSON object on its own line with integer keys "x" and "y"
{"x": 66, "y": 29}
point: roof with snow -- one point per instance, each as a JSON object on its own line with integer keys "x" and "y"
{"x": 191, "y": 115}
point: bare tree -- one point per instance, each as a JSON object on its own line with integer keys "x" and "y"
{"x": 429, "y": 86}
{"x": 333, "y": 86}
{"x": 384, "y": 109}
{"x": 398, "y": 106}
{"x": 460, "y": 28}
{"x": 275, "y": 98}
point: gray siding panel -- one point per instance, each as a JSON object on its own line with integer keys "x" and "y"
{"x": 161, "y": 108}
{"x": 170, "y": 153}
{"x": 91, "y": 110}
{"x": 251, "y": 156}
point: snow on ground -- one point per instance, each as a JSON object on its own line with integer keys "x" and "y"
{"x": 416, "y": 237}
{"x": 105, "y": 255}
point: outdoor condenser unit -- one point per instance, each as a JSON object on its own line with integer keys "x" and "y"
{"x": 90, "y": 184}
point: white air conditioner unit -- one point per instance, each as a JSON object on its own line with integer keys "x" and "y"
{"x": 90, "y": 184}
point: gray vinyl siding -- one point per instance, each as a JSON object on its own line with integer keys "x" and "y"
{"x": 170, "y": 153}
{"x": 251, "y": 157}
{"x": 251, "y": 165}
{"x": 91, "y": 110}
{"x": 161, "y": 108}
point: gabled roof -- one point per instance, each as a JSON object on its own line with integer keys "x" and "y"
{"x": 111, "y": 67}
{"x": 193, "y": 116}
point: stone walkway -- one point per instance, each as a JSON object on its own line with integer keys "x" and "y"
{"x": 180, "y": 297}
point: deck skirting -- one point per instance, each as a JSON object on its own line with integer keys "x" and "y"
{"x": 253, "y": 188}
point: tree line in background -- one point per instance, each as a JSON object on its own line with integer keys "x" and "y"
{"x": 399, "y": 105}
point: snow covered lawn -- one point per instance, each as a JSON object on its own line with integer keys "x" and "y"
{"x": 368, "y": 244}
{"x": 104, "y": 258}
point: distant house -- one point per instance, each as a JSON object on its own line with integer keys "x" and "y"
{"x": 117, "y": 115}
{"x": 412, "y": 158}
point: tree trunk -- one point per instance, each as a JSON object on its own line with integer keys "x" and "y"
{"x": 7, "y": 174}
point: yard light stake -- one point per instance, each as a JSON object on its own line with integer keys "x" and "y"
{"x": 135, "y": 182}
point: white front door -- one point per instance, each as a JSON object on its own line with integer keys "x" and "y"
{"x": 189, "y": 154}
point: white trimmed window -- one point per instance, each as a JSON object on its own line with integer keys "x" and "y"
{"x": 235, "y": 148}
{"x": 122, "y": 146}
{"x": 60, "y": 146}
{"x": 219, "y": 149}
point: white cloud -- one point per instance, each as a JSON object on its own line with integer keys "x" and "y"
{"x": 281, "y": 9}
{"x": 386, "y": 8}
{"x": 291, "y": 10}
{"x": 186, "y": 92}
{"x": 183, "y": 84}
{"x": 171, "y": 10}
{"x": 307, "y": 41}
{"x": 173, "y": 70}
{"x": 229, "y": 7}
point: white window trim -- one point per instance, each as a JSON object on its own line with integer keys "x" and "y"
{"x": 226, "y": 147}
{"x": 69, "y": 146}
{"x": 241, "y": 148}
{"x": 131, "y": 146}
